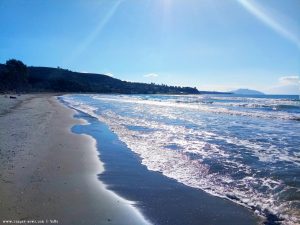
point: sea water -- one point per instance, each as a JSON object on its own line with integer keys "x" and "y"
{"x": 243, "y": 148}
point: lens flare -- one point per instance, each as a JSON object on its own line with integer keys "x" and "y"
{"x": 95, "y": 33}
{"x": 268, "y": 20}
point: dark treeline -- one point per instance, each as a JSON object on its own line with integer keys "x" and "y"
{"x": 15, "y": 76}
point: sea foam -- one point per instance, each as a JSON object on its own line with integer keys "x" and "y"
{"x": 230, "y": 155}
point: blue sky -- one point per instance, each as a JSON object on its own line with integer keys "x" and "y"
{"x": 210, "y": 44}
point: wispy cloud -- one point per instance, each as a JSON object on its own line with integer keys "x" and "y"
{"x": 260, "y": 13}
{"x": 287, "y": 80}
{"x": 286, "y": 85}
{"x": 151, "y": 75}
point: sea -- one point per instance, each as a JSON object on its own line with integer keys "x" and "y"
{"x": 245, "y": 148}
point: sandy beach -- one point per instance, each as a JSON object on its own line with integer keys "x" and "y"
{"x": 150, "y": 112}
{"x": 49, "y": 173}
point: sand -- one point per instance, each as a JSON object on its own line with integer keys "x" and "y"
{"x": 163, "y": 200}
{"x": 49, "y": 173}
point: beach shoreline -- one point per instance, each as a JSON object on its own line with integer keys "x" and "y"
{"x": 163, "y": 200}
{"x": 48, "y": 173}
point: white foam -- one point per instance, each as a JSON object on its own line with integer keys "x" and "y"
{"x": 204, "y": 107}
{"x": 186, "y": 163}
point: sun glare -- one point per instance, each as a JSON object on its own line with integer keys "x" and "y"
{"x": 94, "y": 34}
{"x": 269, "y": 20}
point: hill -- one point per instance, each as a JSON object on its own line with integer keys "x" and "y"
{"x": 247, "y": 92}
{"x": 16, "y": 76}
{"x": 43, "y": 78}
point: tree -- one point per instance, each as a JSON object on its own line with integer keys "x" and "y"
{"x": 15, "y": 75}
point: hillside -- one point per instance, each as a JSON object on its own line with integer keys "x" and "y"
{"x": 15, "y": 76}
{"x": 43, "y": 78}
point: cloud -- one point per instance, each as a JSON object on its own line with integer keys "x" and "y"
{"x": 109, "y": 74}
{"x": 286, "y": 85}
{"x": 151, "y": 75}
{"x": 288, "y": 80}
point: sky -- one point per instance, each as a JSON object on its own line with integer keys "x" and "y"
{"x": 208, "y": 44}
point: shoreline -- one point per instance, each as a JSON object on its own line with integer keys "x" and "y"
{"x": 50, "y": 173}
{"x": 162, "y": 199}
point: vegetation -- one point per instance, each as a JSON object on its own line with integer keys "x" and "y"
{"x": 14, "y": 76}
{"x": 17, "y": 77}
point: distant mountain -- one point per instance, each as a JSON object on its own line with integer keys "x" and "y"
{"x": 247, "y": 92}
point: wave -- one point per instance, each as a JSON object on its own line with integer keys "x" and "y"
{"x": 197, "y": 157}
{"x": 209, "y": 108}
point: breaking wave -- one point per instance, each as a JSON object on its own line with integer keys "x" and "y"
{"x": 225, "y": 146}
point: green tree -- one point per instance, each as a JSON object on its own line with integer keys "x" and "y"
{"x": 16, "y": 75}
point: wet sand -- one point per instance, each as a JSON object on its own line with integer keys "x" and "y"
{"x": 163, "y": 200}
{"x": 50, "y": 173}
